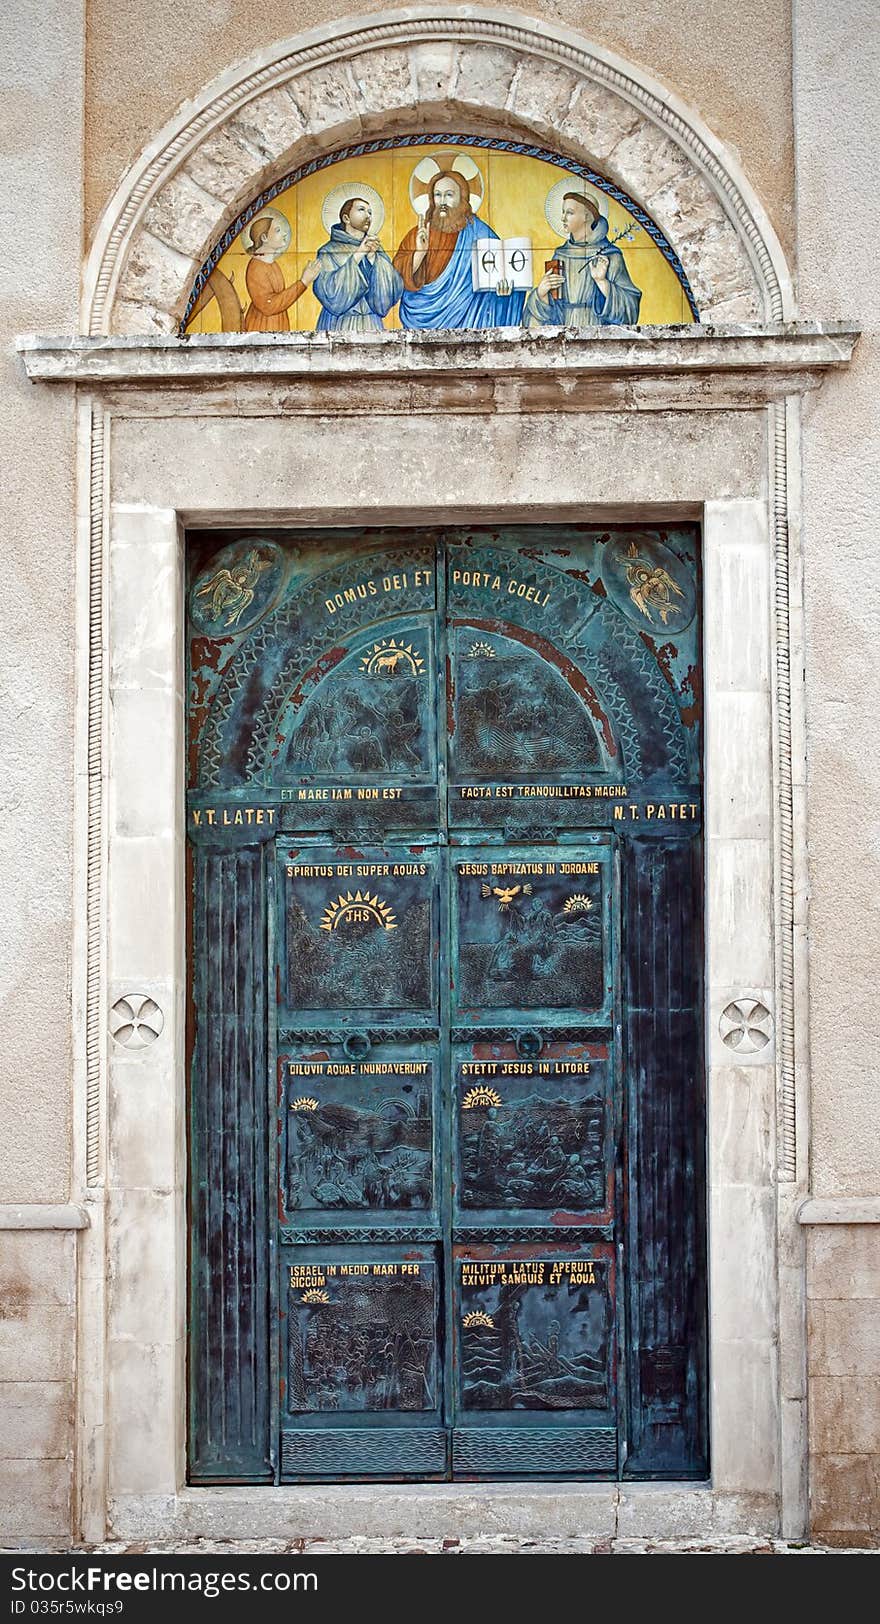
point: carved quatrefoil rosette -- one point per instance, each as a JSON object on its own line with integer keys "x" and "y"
{"x": 136, "y": 1021}
{"x": 746, "y": 1025}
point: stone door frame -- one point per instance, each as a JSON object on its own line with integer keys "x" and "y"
{"x": 156, "y": 458}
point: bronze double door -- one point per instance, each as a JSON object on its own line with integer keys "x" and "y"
{"x": 445, "y": 834}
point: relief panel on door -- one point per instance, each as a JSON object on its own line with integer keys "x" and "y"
{"x": 574, "y": 678}
{"x": 531, "y": 933}
{"x": 360, "y": 932}
{"x": 534, "y": 1136}
{"x": 362, "y": 1336}
{"x": 362, "y": 1383}
{"x": 536, "y": 1354}
{"x": 358, "y": 1135}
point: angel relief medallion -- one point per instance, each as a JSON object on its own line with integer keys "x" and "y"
{"x": 648, "y": 584}
{"x": 242, "y": 583}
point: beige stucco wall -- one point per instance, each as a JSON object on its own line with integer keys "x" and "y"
{"x": 837, "y": 69}
{"x": 41, "y": 78}
{"x": 730, "y": 62}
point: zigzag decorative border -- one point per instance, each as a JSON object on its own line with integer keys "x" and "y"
{"x": 95, "y": 808}
{"x": 291, "y": 1036}
{"x": 787, "y": 1158}
{"x": 394, "y": 142}
{"x": 373, "y": 1235}
{"x": 548, "y": 1034}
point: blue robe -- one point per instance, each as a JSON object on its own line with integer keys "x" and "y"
{"x": 356, "y": 295}
{"x": 450, "y": 301}
{"x": 583, "y": 304}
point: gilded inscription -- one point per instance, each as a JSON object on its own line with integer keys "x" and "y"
{"x": 524, "y": 1068}
{"x": 376, "y": 586}
{"x": 231, "y": 817}
{"x": 348, "y": 871}
{"x": 552, "y": 792}
{"x": 538, "y": 593}
{"x": 530, "y": 1272}
{"x": 311, "y": 1276}
{"x": 502, "y": 869}
{"x": 343, "y": 792}
{"x": 358, "y": 908}
{"x": 621, "y": 810}
{"x": 363, "y": 1068}
{"x": 537, "y": 1334}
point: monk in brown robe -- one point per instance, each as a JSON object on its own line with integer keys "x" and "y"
{"x": 270, "y": 299}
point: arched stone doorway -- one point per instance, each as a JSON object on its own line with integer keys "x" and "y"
{"x": 678, "y": 430}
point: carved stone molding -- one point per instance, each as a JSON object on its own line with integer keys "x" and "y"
{"x": 37, "y": 1216}
{"x": 394, "y": 72}
{"x": 844, "y": 1209}
{"x": 496, "y": 371}
{"x": 788, "y": 1105}
{"x": 136, "y": 1021}
{"x": 746, "y": 1026}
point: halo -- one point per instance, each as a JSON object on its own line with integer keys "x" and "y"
{"x": 246, "y": 241}
{"x": 427, "y": 169}
{"x": 340, "y": 194}
{"x": 553, "y": 204}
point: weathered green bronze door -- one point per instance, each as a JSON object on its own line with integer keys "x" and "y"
{"x": 447, "y": 1104}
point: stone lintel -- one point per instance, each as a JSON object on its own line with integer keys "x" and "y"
{"x": 33, "y": 1215}
{"x": 849, "y": 1209}
{"x": 779, "y": 349}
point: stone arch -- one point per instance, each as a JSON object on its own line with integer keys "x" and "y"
{"x": 496, "y": 71}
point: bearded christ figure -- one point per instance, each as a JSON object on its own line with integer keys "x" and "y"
{"x": 435, "y": 261}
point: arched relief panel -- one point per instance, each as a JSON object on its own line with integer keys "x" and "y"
{"x": 492, "y": 74}
{"x": 284, "y": 668}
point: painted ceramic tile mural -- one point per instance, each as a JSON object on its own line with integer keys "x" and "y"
{"x": 439, "y": 232}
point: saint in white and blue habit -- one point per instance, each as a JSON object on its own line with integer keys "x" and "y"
{"x": 355, "y": 295}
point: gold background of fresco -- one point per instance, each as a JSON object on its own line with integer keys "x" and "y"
{"x": 515, "y": 192}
